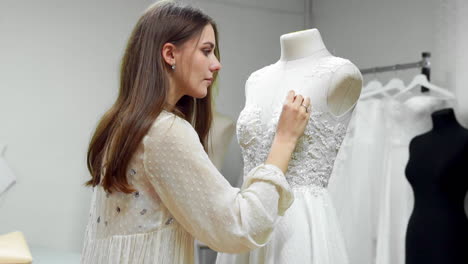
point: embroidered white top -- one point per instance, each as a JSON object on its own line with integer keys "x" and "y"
{"x": 181, "y": 196}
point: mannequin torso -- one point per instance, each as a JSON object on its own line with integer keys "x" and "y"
{"x": 437, "y": 171}
{"x": 333, "y": 84}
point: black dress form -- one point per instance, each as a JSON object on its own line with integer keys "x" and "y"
{"x": 438, "y": 173}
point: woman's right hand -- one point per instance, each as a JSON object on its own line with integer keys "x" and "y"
{"x": 293, "y": 118}
{"x": 291, "y": 126}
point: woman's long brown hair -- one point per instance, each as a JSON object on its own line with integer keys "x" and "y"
{"x": 143, "y": 91}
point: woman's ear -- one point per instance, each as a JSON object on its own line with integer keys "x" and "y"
{"x": 168, "y": 53}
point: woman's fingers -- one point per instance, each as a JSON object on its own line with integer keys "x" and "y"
{"x": 293, "y": 118}
{"x": 290, "y": 97}
{"x": 304, "y": 107}
{"x": 306, "y": 102}
{"x": 298, "y": 101}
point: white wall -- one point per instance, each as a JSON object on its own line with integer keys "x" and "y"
{"x": 377, "y": 32}
{"x": 59, "y": 73}
{"x": 450, "y": 51}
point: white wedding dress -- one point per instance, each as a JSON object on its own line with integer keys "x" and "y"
{"x": 309, "y": 231}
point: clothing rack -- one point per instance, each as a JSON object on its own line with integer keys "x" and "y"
{"x": 424, "y": 64}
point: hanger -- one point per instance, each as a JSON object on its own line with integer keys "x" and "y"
{"x": 421, "y": 80}
{"x": 372, "y": 85}
{"x": 393, "y": 84}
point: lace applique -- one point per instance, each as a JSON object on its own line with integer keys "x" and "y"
{"x": 312, "y": 161}
{"x": 327, "y": 66}
{"x": 323, "y": 68}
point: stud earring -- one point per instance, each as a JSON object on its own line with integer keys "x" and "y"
{"x": 173, "y": 67}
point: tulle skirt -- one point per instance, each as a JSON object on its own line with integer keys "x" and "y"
{"x": 308, "y": 233}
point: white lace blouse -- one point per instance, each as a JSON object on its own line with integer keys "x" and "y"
{"x": 181, "y": 196}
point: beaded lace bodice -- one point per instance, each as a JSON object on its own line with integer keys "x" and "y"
{"x": 312, "y": 161}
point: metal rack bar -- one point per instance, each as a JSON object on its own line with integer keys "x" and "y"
{"x": 424, "y": 65}
{"x": 395, "y": 67}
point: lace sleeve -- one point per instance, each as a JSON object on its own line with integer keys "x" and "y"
{"x": 225, "y": 218}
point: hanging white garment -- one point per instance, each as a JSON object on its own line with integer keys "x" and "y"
{"x": 368, "y": 186}
{"x": 7, "y": 178}
{"x": 404, "y": 120}
{"x": 355, "y": 180}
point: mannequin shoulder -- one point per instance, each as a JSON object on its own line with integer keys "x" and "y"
{"x": 346, "y": 72}
{"x": 264, "y": 71}
{"x": 257, "y": 77}
{"x": 343, "y": 68}
{"x": 345, "y": 87}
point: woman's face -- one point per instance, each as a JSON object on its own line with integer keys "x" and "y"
{"x": 196, "y": 64}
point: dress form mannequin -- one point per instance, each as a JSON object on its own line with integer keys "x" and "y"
{"x": 437, "y": 171}
{"x": 347, "y": 82}
{"x": 306, "y": 51}
{"x": 309, "y": 231}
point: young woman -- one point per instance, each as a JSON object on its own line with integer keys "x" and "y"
{"x": 155, "y": 189}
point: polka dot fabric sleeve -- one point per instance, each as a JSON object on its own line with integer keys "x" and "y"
{"x": 225, "y": 218}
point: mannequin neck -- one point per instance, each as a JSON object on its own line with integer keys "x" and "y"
{"x": 301, "y": 44}
{"x": 444, "y": 118}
